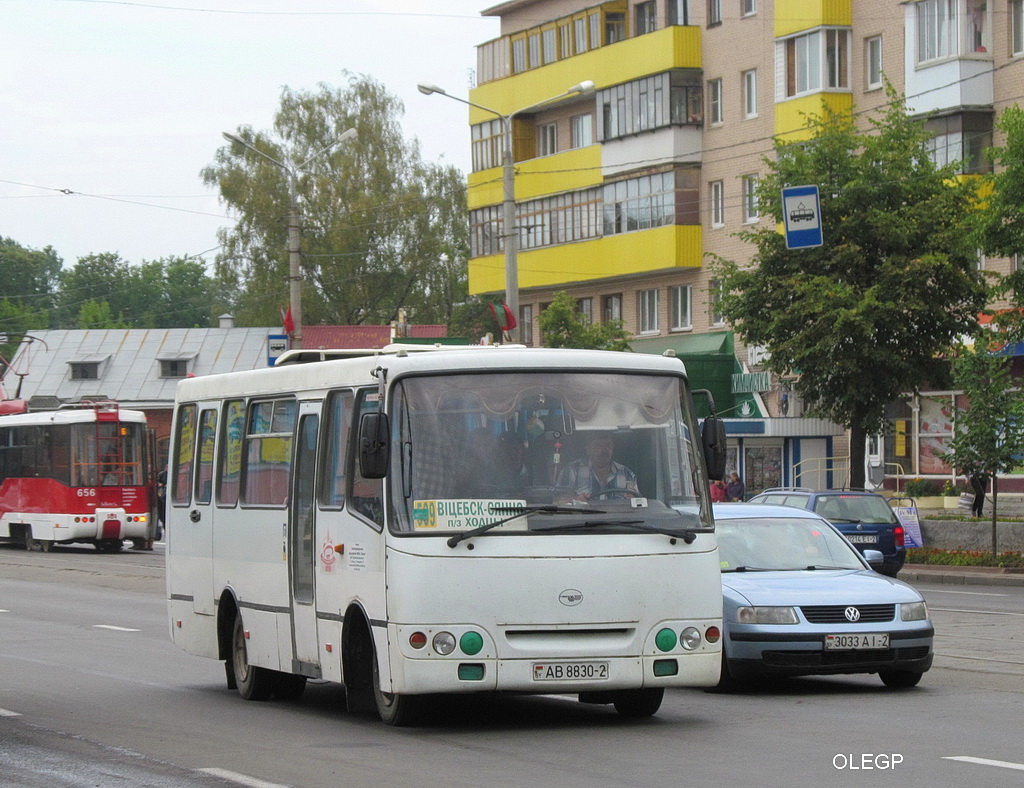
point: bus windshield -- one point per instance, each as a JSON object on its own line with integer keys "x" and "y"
{"x": 473, "y": 449}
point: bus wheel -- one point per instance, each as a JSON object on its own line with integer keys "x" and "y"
{"x": 253, "y": 683}
{"x": 394, "y": 709}
{"x": 639, "y": 703}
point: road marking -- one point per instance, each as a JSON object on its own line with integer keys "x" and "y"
{"x": 116, "y": 629}
{"x": 985, "y": 762}
{"x": 241, "y": 779}
{"x": 8, "y": 713}
{"x": 976, "y": 612}
{"x": 5, "y": 611}
{"x": 968, "y": 593}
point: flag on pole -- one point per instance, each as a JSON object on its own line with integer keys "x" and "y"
{"x": 510, "y": 320}
{"x": 287, "y": 321}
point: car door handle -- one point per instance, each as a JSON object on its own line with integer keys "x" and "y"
{"x": 195, "y": 515}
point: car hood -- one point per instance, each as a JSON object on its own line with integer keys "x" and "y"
{"x": 818, "y": 587}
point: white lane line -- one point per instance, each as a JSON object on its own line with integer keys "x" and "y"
{"x": 985, "y": 762}
{"x": 116, "y": 629}
{"x": 241, "y": 779}
{"x": 976, "y": 612}
{"x": 8, "y": 713}
{"x": 5, "y": 611}
{"x": 967, "y": 593}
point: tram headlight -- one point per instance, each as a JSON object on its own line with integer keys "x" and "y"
{"x": 444, "y": 643}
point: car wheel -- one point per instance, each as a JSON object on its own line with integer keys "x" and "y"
{"x": 900, "y": 679}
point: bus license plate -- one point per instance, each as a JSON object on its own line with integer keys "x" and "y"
{"x": 570, "y": 671}
{"x": 861, "y": 538}
{"x": 861, "y": 640}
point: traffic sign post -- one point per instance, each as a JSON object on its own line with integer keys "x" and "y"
{"x": 801, "y": 213}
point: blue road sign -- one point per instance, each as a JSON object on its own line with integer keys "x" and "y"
{"x": 801, "y": 212}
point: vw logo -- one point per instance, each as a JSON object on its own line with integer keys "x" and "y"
{"x": 570, "y": 597}
{"x": 852, "y": 614}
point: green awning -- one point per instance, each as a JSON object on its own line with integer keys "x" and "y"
{"x": 719, "y": 343}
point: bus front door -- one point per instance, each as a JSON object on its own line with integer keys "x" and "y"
{"x": 302, "y": 544}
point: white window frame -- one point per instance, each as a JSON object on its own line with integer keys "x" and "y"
{"x": 581, "y": 131}
{"x": 806, "y": 58}
{"x": 937, "y": 27}
{"x": 1017, "y": 27}
{"x": 717, "y": 203}
{"x": 646, "y": 17}
{"x": 680, "y": 308}
{"x": 714, "y": 299}
{"x": 751, "y": 212}
{"x": 716, "y": 108}
{"x": 873, "y": 63}
{"x": 647, "y": 311}
{"x": 748, "y": 7}
{"x": 714, "y": 12}
{"x": 547, "y": 139}
{"x": 749, "y": 81}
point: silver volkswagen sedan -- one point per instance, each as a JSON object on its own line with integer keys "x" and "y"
{"x": 800, "y": 600}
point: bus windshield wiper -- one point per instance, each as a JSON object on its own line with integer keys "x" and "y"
{"x": 517, "y": 512}
{"x": 688, "y": 535}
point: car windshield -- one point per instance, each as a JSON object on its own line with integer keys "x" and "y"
{"x": 602, "y": 449}
{"x": 782, "y": 543}
{"x": 854, "y": 508}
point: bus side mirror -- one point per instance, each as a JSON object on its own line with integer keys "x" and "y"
{"x": 712, "y": 435}
{"x": 374, "y": 445}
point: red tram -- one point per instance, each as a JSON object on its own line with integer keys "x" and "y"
{"x": 81, "y": 473}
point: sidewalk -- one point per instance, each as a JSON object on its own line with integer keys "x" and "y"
{"x": 961, "y": 575}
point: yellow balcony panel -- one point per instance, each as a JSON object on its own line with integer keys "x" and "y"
{"x": 671, "y": 47}
{"x": 567, "y": 171}
{"x": 791, "y": 117}
{"x": 644, "y": 251}
{"x": 792, "y": 16}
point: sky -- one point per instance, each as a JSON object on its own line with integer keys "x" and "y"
{"x": 109, "y": 109}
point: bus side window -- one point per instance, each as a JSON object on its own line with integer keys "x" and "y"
{"x": 332, "y": 466}
{"x": 229, "y": 468}
{"x": 184, "y": 455}
{"x": 204, "y": 476}
{"x": 367, "y": 495}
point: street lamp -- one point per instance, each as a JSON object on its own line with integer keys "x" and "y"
{"x": 294, "y": 223}
{"x": 509, "y": 185}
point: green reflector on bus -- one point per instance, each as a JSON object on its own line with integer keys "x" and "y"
{"x": 471, "y": 643}
{"x": 469, "y": 671}
{"x": 665, "y": 667}
{"x": 665, "y": 640}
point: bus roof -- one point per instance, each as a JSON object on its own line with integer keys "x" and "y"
{"x": 358, "y": 368}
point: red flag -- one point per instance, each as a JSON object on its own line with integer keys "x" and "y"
{"x": 510, "y": 320}
{"x": 287, "y": 321}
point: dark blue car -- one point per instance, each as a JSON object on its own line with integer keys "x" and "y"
{"x": 864, "y": 518}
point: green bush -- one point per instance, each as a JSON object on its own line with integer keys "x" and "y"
{"x": 949, "y": 488}
{"x": 934, "y": 557}
{"x": 922, "y": 488}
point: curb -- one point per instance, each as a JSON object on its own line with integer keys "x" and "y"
{"x": 960, "y": 575}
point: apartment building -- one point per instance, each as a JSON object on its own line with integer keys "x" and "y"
{"x": 625, "y": 193}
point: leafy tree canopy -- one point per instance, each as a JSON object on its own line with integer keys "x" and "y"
{"x": 381, "y": 228}
{"x": 864, "y": 318}
{"x": 563, "y": 325}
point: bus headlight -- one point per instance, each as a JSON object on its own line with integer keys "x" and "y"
{"x": 444, "y": 643}
{"x": 690, "y": 638}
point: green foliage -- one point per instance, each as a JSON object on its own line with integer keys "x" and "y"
{"x": 864, "y": 318}
{"x": 950, "y": 489}
{"x": 934, "y": 557}
{"x": 28, "y": 282}
{"x": 96, "y": 314}
{"x": 563, "y": 325}
{"x": 922, "y": 488}
{"x": 382, "y": 229}
{"x": 473, "y": 320}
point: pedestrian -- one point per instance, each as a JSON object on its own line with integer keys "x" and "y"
{"x": 978, "y": 483}
{"x": 735, "y": 489}
{"x": 718, "y": 492}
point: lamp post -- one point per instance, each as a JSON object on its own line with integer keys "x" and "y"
{"x": 508, "y": 205}
{"x": 294, "y": 224}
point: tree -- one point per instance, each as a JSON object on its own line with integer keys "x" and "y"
{"x": 989, "y": 436}
{"x": 864, "y": 318}
{"x": 563, "y": 325}
{"x": 473, "y": 319}
{"x": 28, "y": 283}
{"x": 96, "y": 314}
{"x": 377, "y": 219}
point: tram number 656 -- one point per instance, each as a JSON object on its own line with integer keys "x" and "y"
{"x": 86, "y": 492}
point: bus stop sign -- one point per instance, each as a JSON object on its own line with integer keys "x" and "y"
{"x": 801, "y": 212}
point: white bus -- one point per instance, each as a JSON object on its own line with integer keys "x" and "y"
{"x": 401, "y": 522}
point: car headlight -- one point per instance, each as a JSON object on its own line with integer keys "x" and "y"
{"x": 766, "y": 615}
{"x": 914, "y": 611}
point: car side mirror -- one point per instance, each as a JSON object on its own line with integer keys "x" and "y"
{"x": 374, "y": 445}
{"x": 874, "y": 557}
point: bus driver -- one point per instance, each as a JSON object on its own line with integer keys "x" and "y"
{"x": 596, "y": 476}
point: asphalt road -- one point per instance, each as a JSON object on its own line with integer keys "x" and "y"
{"x": 93, "y": 693}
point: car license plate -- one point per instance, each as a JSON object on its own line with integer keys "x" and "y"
{"x": 570, "y": 671}
{"x": 860, "y": 640}
{"x": 861, "y": 538}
